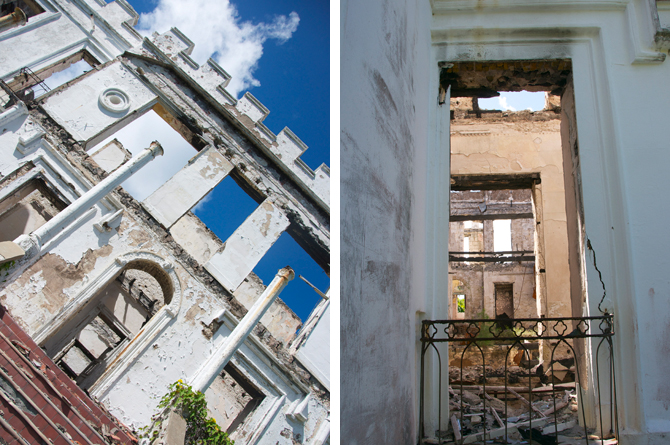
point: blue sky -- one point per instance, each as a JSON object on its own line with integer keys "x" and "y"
{"x": 514, "y": 101}
{"x": 278, "y": 51}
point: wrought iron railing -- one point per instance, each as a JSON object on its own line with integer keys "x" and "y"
{"x": 555, "y": 337}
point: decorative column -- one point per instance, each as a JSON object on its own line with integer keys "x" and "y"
{"x": 59, "y": 222}
{"x": 16, "y": 18}
{"x": 220, "y": 358}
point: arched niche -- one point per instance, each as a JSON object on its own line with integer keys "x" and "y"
{"x": 95, "y": 332}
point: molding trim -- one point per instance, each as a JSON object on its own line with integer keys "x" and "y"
{"x": 601, "y": 154}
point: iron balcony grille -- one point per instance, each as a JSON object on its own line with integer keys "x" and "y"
{"x": 482, "y": 337}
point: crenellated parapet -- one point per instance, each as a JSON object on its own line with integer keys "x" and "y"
{"x": 117, "y": 15}
{"x": 285, "y": 148}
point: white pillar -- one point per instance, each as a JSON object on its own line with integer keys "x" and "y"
{"x": 188, "y": 186}
{"x": 59, "y": 222}
{"x": 220, "y": 358}
{"x": 247, "y": 245}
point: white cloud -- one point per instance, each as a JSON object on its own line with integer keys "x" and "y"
{"x": 201, "y": 204}
{"x": 504, "y": 105}
{"x": 218, "y": 32}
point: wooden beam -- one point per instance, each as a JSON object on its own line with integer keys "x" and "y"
{"x": 502, "y": 259}
{"x": 488, "y": 216}
{"x": 494, "y": 182}
{"x": 526, "y": 402}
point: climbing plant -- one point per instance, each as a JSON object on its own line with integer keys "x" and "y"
{"x": 4, "y": 269}
{"x": 192, "y": 405}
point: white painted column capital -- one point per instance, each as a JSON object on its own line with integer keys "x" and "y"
{"x": 220, "y": 358}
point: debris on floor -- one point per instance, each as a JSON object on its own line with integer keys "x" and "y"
{"x": 544, "y": 415}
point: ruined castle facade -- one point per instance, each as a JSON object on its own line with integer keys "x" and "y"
{"x": 124, "y": 297}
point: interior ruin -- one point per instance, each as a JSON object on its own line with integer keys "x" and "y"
{"x": 519, "y": 166}
{"x": 515, "y": 242}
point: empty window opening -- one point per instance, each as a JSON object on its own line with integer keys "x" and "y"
{"x": 515, "y": 101}
{"x": 29, "y": 85}
{"x": 137, "y": 136}
{"x": 27, "y": 209}
{"x": 87, "y": 345}
{"x": 473, "y": 236}
{"x": 73, "y": 71}
{"x": 225, "y": 208}
{"x": 459, "y": 299}
{"x": 500, "y": 148}
{"x": 502, "y": 235}
{"x": 504, "y": 300}
{"x": 231, "y": 398}
{"x": 297, "y": 295}
{"x": 460, "y": 302}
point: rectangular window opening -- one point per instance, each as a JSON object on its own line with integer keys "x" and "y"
{"x": 88, "y": 344}
{"x": 502, "y": 235}
{"x": 27, "y": 209}
{"x": 232, "y": 398}
{"x": 299, "y": 296}
{"x": 225, "y": 208}
{"x": 29, "y": 85}
{"x": 515, "y": 101}
{"x": 137, "y": 135}
{"x": 460, "y": 301}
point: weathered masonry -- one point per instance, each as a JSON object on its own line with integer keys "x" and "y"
{"x": 507, "y": 169}
{"x": 402, "y": 154}
{"x": 123, "y": 297}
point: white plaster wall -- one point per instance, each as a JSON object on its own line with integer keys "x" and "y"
{"x": 31, "y": 44}
{"x": 15, "y": 124}
{"x": 79, "y": 254}
{"x": 181, "y": 345}
{"x": 623, "y": 153}
{"x": 78, "y": 109}
{"x": 643, "y": 161}
{"x": 188, "y": 186}
{"x": 384, "y": 130}
{"x": 111, "y": 156}
{"x": 314, "y": 353}
{"x": 247, "y": 245}
{"x": 172, "y": 354}
{"x": 64, "y": 29}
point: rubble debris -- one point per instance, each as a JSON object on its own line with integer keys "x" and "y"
{"x": 526, "y": 402}
{"x": 491, "y": 417}
{"x": 537, "y": 436}
{"x": 456, "y": 427}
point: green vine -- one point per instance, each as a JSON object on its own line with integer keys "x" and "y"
{"x": 4, "y": 269}
{"x": 200, "y": 430}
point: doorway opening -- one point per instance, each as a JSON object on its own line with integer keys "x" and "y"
{"x": 526, "y": 327}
